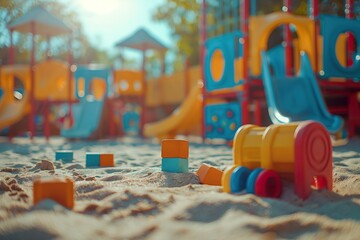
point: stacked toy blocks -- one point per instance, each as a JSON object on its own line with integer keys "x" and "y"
{"x": 60, "y": 190}
{"x": 209, "y": 175}
{"x": 64, "y": 155}
{"x": 175, "y": 154}
{"x": 100, "y": 160}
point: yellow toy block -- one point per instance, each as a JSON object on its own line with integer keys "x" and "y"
{"x": 60, "y": 190}
{"x": 174, "y": 148}
{"x": 107, "y": 160}
{"x": 209, "y": 175}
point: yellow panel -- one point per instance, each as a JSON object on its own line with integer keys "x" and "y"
{"x": 262, "y": 26}
{"x": 51, "y": 81}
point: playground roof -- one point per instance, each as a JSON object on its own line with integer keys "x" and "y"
{"x": 141, "y": 40}
{"x": 44, "y": 23}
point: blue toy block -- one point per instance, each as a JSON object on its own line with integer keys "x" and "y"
{"x": 65, "y": 155}
{"x": 175, "y": 165}
{"x": 231, "y": 48}
{"x": 222, "y": 120}
{"x": 93, "y": 159}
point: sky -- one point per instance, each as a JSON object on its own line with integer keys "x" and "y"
{"x": 106, "y": 22}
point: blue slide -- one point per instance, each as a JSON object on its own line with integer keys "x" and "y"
{"x": 88, "y": 113}
{"x": 295, "y": 98}
{"x": 87, "y": 117}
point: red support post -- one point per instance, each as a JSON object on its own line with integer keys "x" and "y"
{"x": 313, "y": 12}
{"x": 349, "y": 13}
{"x": 289, "y": 65}
{"x": 70, "y": 91}
{"x": 142, "y": 101}
{"x": 202, "y": 60}
{"x": 245, "y": 8}
{"x": 46, "y": 120}
{"x": 32, "y": 83}
{"x": 257, "y": 112}
{"x": 11, "y": 48}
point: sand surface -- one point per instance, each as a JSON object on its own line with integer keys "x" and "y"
{"x": 135, "y": 200}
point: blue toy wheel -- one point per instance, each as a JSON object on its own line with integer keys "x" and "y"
{"x": 238, "y": 179}
{"x": 250, "y": 184}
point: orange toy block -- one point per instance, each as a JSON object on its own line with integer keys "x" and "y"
{"x": 60, "y": 190}
{"x": 174, "y": 148}
{"x": 209, "y": 175}
{"x": 107, "y": 160}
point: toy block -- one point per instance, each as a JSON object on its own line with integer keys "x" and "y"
{"x": 93, "y": 159}
{"x": 107, "y": 160}
{"x": 61, "y": 190}
{"x": 209, "y": 175}
{"x": 174, "y": 148}
{"x": 65, "y": 155}
{"x": 175, "y": 165}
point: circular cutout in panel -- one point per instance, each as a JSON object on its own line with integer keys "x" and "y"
{"x": 343, "y": 40}
{"x": 217, "y": 65}
{"x": 137, "y": 85}
{"x": 124, "y": 85}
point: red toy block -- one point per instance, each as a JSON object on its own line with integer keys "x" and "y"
{"x": 209, "y": 175}
{"x": 107, "y": 160}
{"x": 60, "y": 190}
{"x": 174, "y": 148}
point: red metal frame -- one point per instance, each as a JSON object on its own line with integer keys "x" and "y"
{"x": 32, "y": 83}
{"x": 289, "y": 65}
{"x": 202, "y": 57}
{"x": 245, "y": 13}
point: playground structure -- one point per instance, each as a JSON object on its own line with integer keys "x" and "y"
{"x": 239, "y": 67}
{"x": 43, "y": 84}
{"x": 241, "y": 76}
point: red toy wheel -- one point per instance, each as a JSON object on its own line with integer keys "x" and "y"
{"x": 268, "y": 184}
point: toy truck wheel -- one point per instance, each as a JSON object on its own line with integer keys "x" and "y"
{"x": 268, "y": 184}
{"x": 225, "y": 179}
{"x": 238, "y": 179}
{"x": 250, "y": 184}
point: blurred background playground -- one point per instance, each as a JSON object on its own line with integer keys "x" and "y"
{"x": 211, "y": 67}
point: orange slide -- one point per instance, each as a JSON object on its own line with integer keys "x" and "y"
{"x": 13, "y": 107}
{"x": 51, "y": 83}
{"x": 184, "y": 120}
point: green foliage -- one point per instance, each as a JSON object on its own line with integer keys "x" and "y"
{"x": 182, "y": 17}
{"x": 83, "y": 51}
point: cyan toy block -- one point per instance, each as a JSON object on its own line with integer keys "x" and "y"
{"x": 93, "y": 159}
{"x": 175, "y": 165}
{"x": 65, "y": 155}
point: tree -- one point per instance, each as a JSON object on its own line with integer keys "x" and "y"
{"x": 83, "y": 51}
{"x": 182, "y": 17}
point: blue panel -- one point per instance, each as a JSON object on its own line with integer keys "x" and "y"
{"x": 131, "y": 122}
{"x": 88, "y": 75}
{"x": 65, "y": 155}
{"x": 231, "y": 48}
{"x": 331, "y": 28}
{"x": 92, "y": 159}
{"x": 222, "y": 120}
{"x": 175, "y": 165}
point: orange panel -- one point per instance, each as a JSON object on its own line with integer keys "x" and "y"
{"x": 174, "y": 148}
{"x": 107, "y": 160}
{"x": 209, "y": 175}
{"x": 60, "y": 190}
